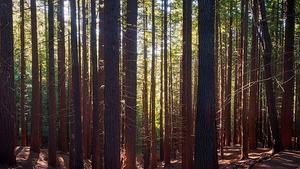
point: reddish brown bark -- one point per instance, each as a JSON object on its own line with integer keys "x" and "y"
{"x": 51, "y": 89}
{"x": 227, "y": 115}
{"x": 186, "y": 87}
{"x": 112, "y": 86}
{"x": 35, "y": 124}
{"x": 288, "y": 77}
{"x": 76, "y": 128}
{"x": 254, "y": 95}
{"x": 23, "y": 77}
{"x": 153, "y": 127}
{"x": 146, "y": 136}
{"x": 277, "y": 145}
{"x": 63, "y": 143}
{"x": 7, "y": 88}
{"x": 130, "y": 58}
{"x": 101, "y": 84}
{"x": 244, "y": 115}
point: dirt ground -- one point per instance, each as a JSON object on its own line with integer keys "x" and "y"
{"x": 258, "y": 159}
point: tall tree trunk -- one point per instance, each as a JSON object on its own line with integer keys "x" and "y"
{"x": 77, "y": 129}
{"x": 186, "y": 87}
{"x": 298, "y": 100}
{"x": 277, "y": 145}
{"x": 35, "y": 124}
{"x": 101, "y": 83}
{"x": 23, "y": 77}
{"x": 153, "y": 127}
{"x": 51, "y": 89}
{"x": 227, "y": 124}
{"x": 146, "y": 137}
{"x": 85, "y": 83}
{"x": 244, "y": 116}
{"x": 161, "y": 128}
{"x": 205, "y": 140}
{"x": 112, "y": 87}
{"x": 167, "y": 142}
{"x": 62, "y": 79}
{"x": 130, "y": 57}
{"x": 288, "y": 77}
{"x": 7, "y": 88}
{"x": 254, "y": 97}
{"x": 96, "y": 117}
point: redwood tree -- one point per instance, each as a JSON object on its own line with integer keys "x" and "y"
{"x": 254, "y": 97}
{"x": 153, "y": 127}
{"x": 205, "y": 138}
{"x": 130, "y": 56}
{"x": 288, "y": 77}
{"x": 51, "y": 89}
{"x": 96, "y": 117}
{"x": 146, "y": 137}
{"x": 23, "y": 77}
{"x": 76, "y": 128}
{"x": 35, "y": 123}
{"x": 167, "y": 141}
{"x": 7, "y": 89}
{"x": 267, "y": 57}
{"x": 186, "y": 87}
{"x": 112, "y": 86}
{"x": 62, "y": 79}
{"x": 227, "y": 121}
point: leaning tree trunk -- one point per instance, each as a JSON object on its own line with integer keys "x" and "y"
{"x": 7, "y": 89}
{"x": 205, "y": 139}
{"x": 267, "y": 56}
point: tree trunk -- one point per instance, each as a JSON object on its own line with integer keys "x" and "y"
{"x": 186, "y": 87}
{"x": 35, "y": 124}
{"x": 85, "y": 83}
{"x": 23, "y": 78}
{"x": 167, "y": 142}
{"x": 78, "y": 157}
{"x": 244, "y": 116}
{"x": 112, "y": 87}
{"x": 288, "y": 77}
{"x": 153, "y": 127}
{"x": 51, "y": 90}
{"x": 96, "y": 117}
{"x": 161, "y": 128}
{"x": 227, "y": 124}
{"x": 146, "y": 137}
{"x": 205, "y": 146}
{"x": 101, "y": 85}
{"x": 7, "y": 88}
{"x": 130, "y": 57}
{"x": 277, "y": 145}
{"x": 254, "y": 96}
{"x": 62, "y": 79}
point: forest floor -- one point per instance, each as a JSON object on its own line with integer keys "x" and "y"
{"x": 258, "y": 159}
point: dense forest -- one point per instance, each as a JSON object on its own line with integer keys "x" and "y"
{"x": 132, "y": 84}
